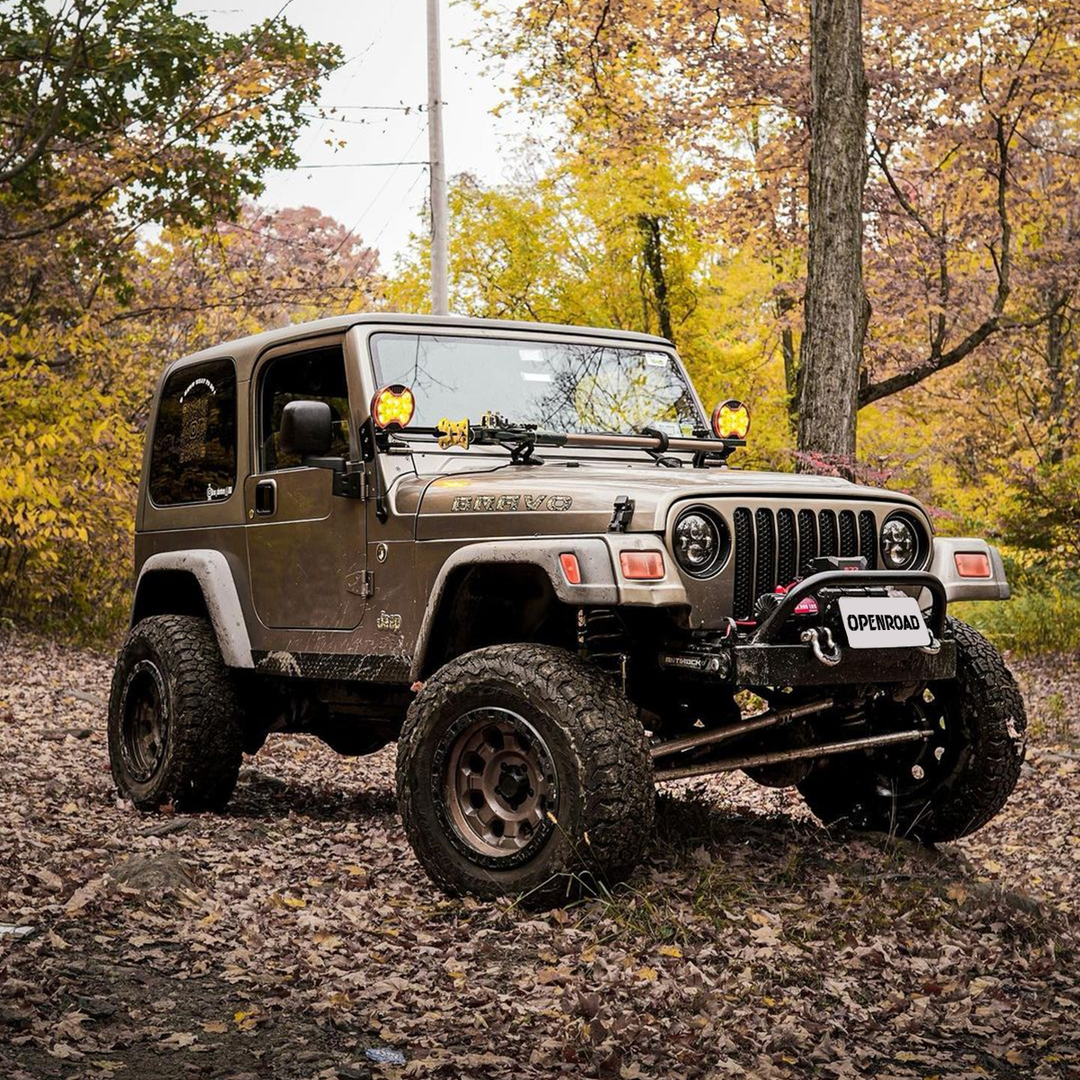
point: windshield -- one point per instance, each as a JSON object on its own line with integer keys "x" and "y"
{"x": 595, "y": 389}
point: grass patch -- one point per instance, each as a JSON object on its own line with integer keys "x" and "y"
{"x": 1043, "y": 616}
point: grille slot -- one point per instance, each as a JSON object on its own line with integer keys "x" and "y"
{"x": 773, "y": 549}
{"x": 807, "y": 541}
{"x": 765, "y": 573}
{"x": 744, "y": 563}
{"x": 787, "y": 550}
{"x": 827, "y": 524}
{"x": 868, "y": 539}
{"x": 849, "y": 538}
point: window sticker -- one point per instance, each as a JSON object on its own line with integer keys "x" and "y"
{"x": 532, "y": 356}
{"x": 656, "y": 359}
{"x": 668, "y": 427}
{"x": 193, "y": 456}
{"x": 194, "y": 420}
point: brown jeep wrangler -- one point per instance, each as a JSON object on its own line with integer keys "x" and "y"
{"x": 520, "y": 551}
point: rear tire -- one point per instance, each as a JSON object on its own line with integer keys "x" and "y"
{"x": 174, "y": 731}
{"x": 979, "y": 723}
{"x": 522, "y": 769}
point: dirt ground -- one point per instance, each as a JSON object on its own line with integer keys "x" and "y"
{"x": 295, "y": 936}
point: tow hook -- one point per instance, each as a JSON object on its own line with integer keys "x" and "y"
{"x": 816, "y": 636}
{"x": 934, "y": 647}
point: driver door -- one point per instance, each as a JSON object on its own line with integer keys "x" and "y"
{"x": 306, "y": 546}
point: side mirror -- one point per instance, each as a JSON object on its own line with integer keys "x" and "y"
{"x": 306, "y": 428}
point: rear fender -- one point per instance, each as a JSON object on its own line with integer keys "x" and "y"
{"x": 210, "y": 570}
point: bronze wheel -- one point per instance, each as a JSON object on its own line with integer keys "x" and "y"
{"x": 523, "y": 771}
{"x": 501, "y": 788}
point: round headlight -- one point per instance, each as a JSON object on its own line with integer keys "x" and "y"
{"x": 698, "y": 543}
{"x": 899, "y": 544}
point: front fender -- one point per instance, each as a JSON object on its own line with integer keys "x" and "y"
{"x": 598, "y": 585}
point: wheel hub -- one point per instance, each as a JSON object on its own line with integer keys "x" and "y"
{"x": 145, "y": 722}
{"x": 500, "y": 784}
{"x": 907, "y": 771}
{"x": 513, "y": 785}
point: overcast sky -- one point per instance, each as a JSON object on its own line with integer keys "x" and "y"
{"x": 384, "y": 42}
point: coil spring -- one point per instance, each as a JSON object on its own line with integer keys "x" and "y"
{"x": 602, "y": 637}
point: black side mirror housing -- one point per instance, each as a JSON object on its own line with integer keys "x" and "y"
{"x": 306, "y": 429}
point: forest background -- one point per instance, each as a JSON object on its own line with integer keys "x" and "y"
{"x": 134, "y": 141}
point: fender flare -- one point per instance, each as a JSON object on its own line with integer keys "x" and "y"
{"x": 943, "y": 566}
{"x": 598, "y": 585}
{"x": 211, "y": 570}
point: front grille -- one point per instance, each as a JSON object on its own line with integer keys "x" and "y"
{"x": 773, "y": 548}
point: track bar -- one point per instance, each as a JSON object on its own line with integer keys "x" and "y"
{"x": 775, "y": 758}
{"x": 754, "y": 723}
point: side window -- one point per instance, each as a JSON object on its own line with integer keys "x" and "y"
{"x": 194, "y": 453}
{"x": 309, "y": 376}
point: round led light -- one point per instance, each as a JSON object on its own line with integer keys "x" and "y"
{"x": 393, "y": 406}
{"x": 899, "y": 544}
{"x": 698, "y": 542}
{"x": 731, "y": 420}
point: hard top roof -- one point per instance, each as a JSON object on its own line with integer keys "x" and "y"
{"x": 245, "y": 350}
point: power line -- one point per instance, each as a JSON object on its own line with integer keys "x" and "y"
{"x": 378, "y": 194}
{"x": 378, "y": 108}
{"x": 362, "y": 165}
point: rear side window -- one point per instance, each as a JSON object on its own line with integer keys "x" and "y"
{"x": 308, "y": 376}
{"x": 194, "y": 455}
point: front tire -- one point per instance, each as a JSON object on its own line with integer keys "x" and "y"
{"x": 522, "y": 769}
{"x": 174, "y": 731}
{"x": 962, "y": 776}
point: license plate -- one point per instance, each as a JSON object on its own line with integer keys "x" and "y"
{"x": 883, "y": 622}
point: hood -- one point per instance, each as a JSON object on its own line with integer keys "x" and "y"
{"x": 578, "y": 497}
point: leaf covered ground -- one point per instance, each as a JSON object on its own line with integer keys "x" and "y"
{"x": 296, "y": 937}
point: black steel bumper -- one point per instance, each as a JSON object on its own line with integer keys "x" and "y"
{"x": 761, "y": 658}
{"x": 796, "y": 665}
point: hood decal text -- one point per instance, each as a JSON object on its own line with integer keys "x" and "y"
{"x": 507, "y": 503}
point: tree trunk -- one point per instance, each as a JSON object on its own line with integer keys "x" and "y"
{"x": 791, "y": 364}
{"x": 837, "y": 310}
{"x": 653, "y": 252}
{"x": 1056, "y": 412}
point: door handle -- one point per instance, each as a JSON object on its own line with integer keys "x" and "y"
{"x": 265, "y": 497}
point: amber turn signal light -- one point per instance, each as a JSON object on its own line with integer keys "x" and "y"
{"x": 642, "y": 565}
{"x": 731, "y": 420}
{"x": 972, "y": 564}
{"x": 393, "y": 406}
{"x": 570, "y": 567}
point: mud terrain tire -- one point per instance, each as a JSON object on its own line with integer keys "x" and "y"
{"x": 585, "y": 744}
{"x": 984, "y": 707}
{"x": 174, "y": 719}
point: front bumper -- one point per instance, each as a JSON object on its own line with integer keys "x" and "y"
{"x": 766, "y": 656}
{"x": 796, "y": 665}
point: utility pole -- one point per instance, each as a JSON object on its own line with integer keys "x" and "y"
{"x": 440, "y": 214}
